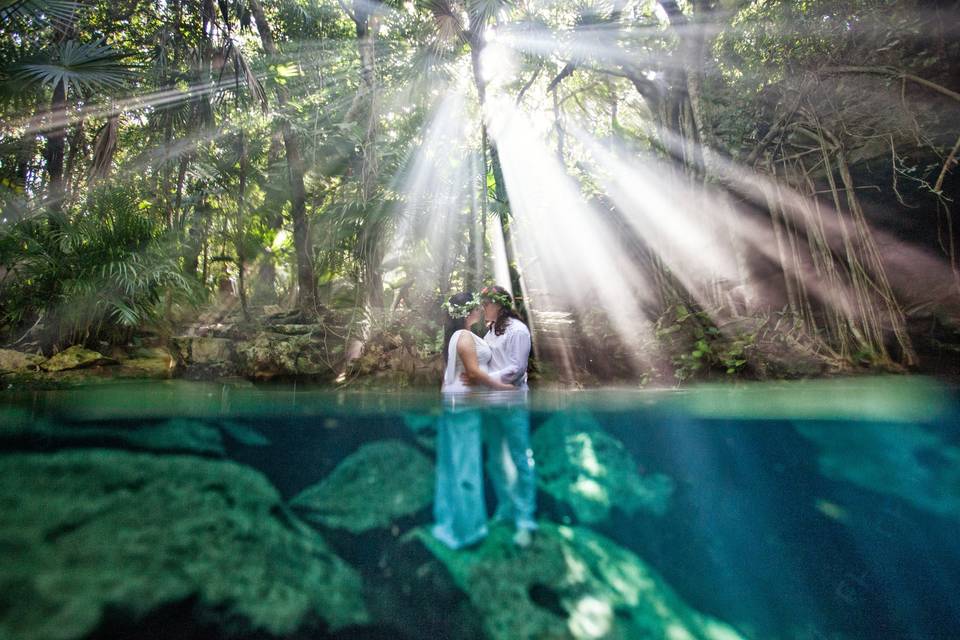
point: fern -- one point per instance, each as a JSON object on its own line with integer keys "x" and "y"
{"x": 103, "y": 272}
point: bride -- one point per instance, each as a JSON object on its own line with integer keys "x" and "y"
{"x": 459, "y": 511}
{"x": 466, "y": 354}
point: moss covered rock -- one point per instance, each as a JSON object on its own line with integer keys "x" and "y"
{"x": 901, "y": 459}
{"x": 269, "y": 355}
{"x": 570, "y": 583}
{"x": 11, "y": 360}
{"x": 92, "y": 533}
{"x": 75, "y": 357}
{"x": 592, "y": 472}
{"x": 380, "y": 482}
{"x": 180, "y": 435}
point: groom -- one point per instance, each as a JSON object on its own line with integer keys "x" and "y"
{"x": 511, "y": 465}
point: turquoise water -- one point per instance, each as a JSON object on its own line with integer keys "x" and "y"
{"x": 195, "y": 510}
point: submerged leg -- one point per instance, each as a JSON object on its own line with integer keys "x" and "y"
{"x": 458, "y": 509}
{"x": 512, "y": 466}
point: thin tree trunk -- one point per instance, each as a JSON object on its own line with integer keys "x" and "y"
{"x": 306, "y": 278}
{"x": 56, "y": 142}
{"x": 499, "y": 186}
{"x": 364, "y": 110}
{"x": 25, "y": 152}
{"x": 240, "y": 245}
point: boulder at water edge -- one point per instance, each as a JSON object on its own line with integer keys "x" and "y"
{"x": 75, "y": 357}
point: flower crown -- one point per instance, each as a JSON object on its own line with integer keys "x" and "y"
{"x": 500, "y": 297}
{"x": 462, "y": 310}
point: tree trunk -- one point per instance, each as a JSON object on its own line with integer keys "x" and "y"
{"x": 306, "y": 278}
{"x": 25, "y": 151}
{"x": 364, "y": 111}
{"x": 499, "y": 186}
{"x": 56, "y": 142}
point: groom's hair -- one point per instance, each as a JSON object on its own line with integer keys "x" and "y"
{"x": 502, "y": 297}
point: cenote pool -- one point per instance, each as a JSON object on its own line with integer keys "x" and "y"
{"x": 816, "y": 510}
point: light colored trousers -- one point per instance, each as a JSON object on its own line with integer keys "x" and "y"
{"x": 511, "y": 464}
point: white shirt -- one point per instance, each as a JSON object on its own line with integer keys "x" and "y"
{"x": 511, "y": 351}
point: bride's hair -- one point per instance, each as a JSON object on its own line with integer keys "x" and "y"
{"x": 502, "y": 297}
{"x": 450, "y": 324}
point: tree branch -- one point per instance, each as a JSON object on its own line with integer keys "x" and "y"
{"x": 890, "y": 71}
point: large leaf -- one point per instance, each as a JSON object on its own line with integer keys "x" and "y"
{"x": 58, "y": 11}
{"x": 80, "y": 66}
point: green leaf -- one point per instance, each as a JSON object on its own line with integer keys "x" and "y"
{"x": 81, "y": 67}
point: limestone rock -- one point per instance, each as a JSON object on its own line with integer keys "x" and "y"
{"x": 380, "y": 482}
{"x": 75, "y": 357}
{"x": 895, "y": 458}
{"x": 582, "y": 466}
{"x": 175, "y": 435}
{"x": 210, "y": 350}
{"x": 11, "y": 360}
{"x": 570, "y": 583}
{"x": 271, "y": 355}
{"x": 91, "y": 531}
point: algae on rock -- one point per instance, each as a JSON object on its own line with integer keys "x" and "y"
{"x": 570, "y": 583}
{"x": 177, "y": 435}
{"x": 584, "y": 467}
{"x": 85, "y": 532}
{"x": 896, "y": 458}
{"x": 11, "y": 360}
{"x": 75, "y": 357}
{"x": 380, "y": 482}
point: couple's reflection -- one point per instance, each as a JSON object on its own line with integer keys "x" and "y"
{"x": 502, "y": 421}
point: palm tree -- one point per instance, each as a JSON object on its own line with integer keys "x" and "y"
{"x": 306, "y": 277}
{"x": 70, "y": 67}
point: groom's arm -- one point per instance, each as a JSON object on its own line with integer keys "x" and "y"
{"x": 516, "y": 349}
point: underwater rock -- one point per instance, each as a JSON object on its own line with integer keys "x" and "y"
{"x": 11, "y": 360}
{"x": 584, "y": 467}
{"x": 244, "y": 434}
{"x": 424, "y": 428}
{"x": 898, "y": 458}
{"x": 570, "y": 583}
{"x": 75, "y": 357}
{"x": 178, "y": 435}
{"x": 380, "y": 482}
{"x": 91, "y": 534}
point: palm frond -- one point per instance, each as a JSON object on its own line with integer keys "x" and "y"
{"x": 57, "y": 11}
{"x": 79, "y": 66}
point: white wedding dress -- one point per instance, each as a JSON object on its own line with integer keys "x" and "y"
{"x": 451, "y": 377}
{"x": 459, "y": 509}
